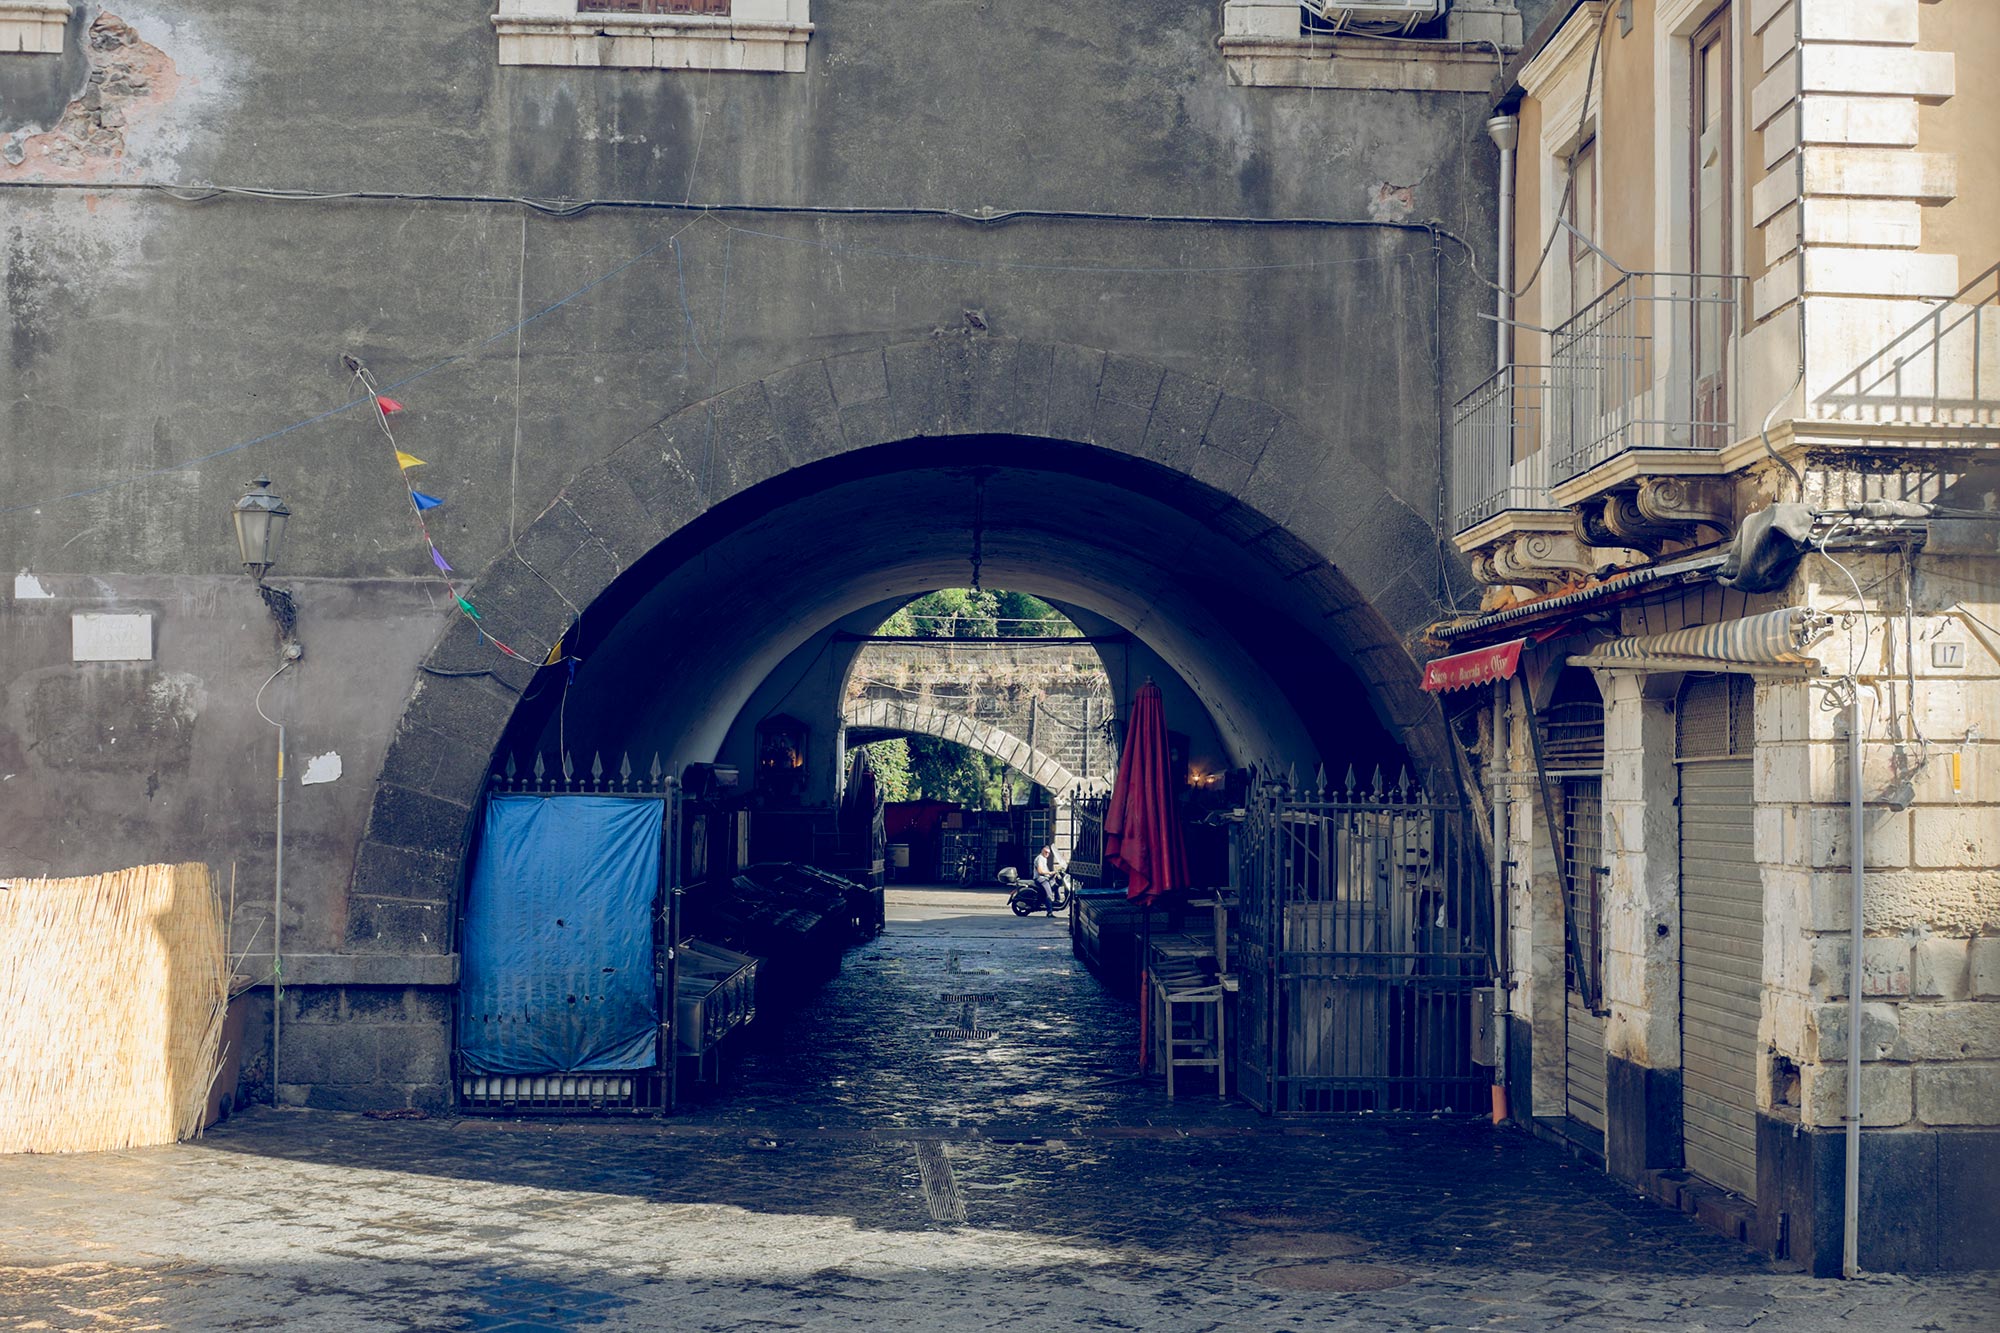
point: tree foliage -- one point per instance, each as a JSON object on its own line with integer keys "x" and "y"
{"x": 963, "y": 613}
{"x": 891, "y": 762}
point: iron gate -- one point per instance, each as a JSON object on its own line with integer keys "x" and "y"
{"x": 645, "y": 1092}
{"x": 1365, "y": 930}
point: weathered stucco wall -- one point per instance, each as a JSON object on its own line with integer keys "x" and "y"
{"x": 164, "y": 351}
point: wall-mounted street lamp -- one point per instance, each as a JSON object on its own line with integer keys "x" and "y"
{"x": 260, "y": 528}
{"x": 260, "y": 519}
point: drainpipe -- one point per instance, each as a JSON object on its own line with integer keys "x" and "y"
{"x": 1506, "y": 134}
{"x": 1500, "y": 978}
{"x": 1850, "y": 1238}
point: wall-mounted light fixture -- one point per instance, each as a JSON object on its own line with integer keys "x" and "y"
{"x": 260, "y": 528}
{"x": 260, "y": 517}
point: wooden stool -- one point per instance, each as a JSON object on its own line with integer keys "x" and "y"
{"x": 1193, "y": 1032}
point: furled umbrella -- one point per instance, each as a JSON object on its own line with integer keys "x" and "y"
{"x": 1142, "y": 829}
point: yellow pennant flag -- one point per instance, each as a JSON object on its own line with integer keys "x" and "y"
{"x": 555, "y": 654}
{"x": 404, "y": 460}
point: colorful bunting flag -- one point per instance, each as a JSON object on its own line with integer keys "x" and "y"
{"x": 468, "y": 608}
{"x": 555, "y": 654}
{"x": 404, "y": 460}
{"x": 388, "y": 405}
{"x": 423, "y": 501}
{"x": 437, "y": 558}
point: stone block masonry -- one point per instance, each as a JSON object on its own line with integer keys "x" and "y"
{"x": 367, "y": 1048}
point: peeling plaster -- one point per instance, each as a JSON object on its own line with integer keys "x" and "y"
{"x": 131, "y": 83}
{"x": 28, "y": 588}
{"x": 321, "y": 768}
{"x": 1390, "y": 202}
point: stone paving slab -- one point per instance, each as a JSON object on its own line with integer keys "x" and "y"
{"x": 823, "y": 1187}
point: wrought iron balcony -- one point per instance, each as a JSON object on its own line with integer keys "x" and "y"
{"x": 1498, "y": 459}
{"x": 1651, "y": 365}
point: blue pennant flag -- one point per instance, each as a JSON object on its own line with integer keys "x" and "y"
{"x": 424, "y": 502}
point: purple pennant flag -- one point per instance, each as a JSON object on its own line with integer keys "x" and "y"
{"x": 424, "y": 502}
{"x": 437, "y": 558}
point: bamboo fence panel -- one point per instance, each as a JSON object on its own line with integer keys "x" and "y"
{"x": 112, "y": 994}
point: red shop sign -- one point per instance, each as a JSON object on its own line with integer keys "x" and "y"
{"x": 1461, "y": 671}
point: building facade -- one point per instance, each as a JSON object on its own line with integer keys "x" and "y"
{"x": 1732, "y": 495}
{"x": 710, "y": 327}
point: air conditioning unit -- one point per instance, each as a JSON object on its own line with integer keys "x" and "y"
{"x": 1380, "y": 17}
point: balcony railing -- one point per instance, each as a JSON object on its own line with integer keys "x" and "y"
{"x": 1498, "y": 463}
{"x": 1649, "y": 365}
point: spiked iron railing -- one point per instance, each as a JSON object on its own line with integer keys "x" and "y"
{"x": 1365, "y": 931}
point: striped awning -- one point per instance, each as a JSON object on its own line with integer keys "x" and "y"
{"x": 1768, "y": 639}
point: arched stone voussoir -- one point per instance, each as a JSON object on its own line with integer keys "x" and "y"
{"x": 1314, "y": 507}
{"x": 917, "y": 719}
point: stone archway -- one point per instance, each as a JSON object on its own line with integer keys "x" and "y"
{"x": 918, "y": 719}
{"x": 1322, "y": 517}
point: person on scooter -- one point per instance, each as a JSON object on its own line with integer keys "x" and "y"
{"x": 1045, "y": 872}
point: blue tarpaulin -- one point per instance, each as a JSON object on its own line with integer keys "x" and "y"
{"x": 558, "y": 944}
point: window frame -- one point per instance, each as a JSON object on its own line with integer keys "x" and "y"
{"x": 755, "y": 37}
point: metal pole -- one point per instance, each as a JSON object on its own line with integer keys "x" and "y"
{"x": 291, "y": 655}
{"x": 1850, "y": 1241}
{"x": 1500, "y": 993}
{"x": 278, "y": 925}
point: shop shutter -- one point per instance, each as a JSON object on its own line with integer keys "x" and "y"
{"x": 1722, "y": 933}
{"x": 1573, "y": 751}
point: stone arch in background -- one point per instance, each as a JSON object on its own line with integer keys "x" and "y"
{"x": 1320, "y": 516}
{"x": 921, "y": 720}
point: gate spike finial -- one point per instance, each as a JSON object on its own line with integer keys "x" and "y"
{"x": 1291, "y": 777}
{"x": 569, "y": 767}
{"x": 656, "y": 769}
{"x": 597, "y": 767}
{"x": 1319, "y": 782}
{"x": 509, "y": 770}
{"x": 541, "y": 766}
{"x": 1402, "y": 781}
{"x": 1352, "y": 781}
{"x": 625, "y": 768}
{"x": 1378, "y": 782}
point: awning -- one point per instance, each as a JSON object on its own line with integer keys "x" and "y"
{"x": 1462, "y": 671}
{"x": 1591, "y": 597}
{"x": 1769, "y": 639}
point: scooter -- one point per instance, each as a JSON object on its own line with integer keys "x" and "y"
{"x": 1029, "y": 897}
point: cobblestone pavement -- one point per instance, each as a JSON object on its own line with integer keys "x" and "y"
{"x": 874, "y": 1168}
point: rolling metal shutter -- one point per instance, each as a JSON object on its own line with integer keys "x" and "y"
{"x": 1583, "y": 1029}
{"x": 1722, "y": 933}
{"x": 1575, "y": 751}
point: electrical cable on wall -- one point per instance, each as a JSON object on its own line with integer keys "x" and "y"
{"x": 706, "y": 211}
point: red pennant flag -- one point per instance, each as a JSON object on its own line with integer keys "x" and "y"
{"x": 388, "y": 405}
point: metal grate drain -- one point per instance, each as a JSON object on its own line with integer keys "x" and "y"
{"x": 941, "y": 1193}
{"x": 1300, "y": 1245}
{"x": 1333, "y": 1275}
{"x": 967, "y": 1028}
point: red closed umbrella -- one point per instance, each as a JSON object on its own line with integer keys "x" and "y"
{"x": 1142, "y": 828}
